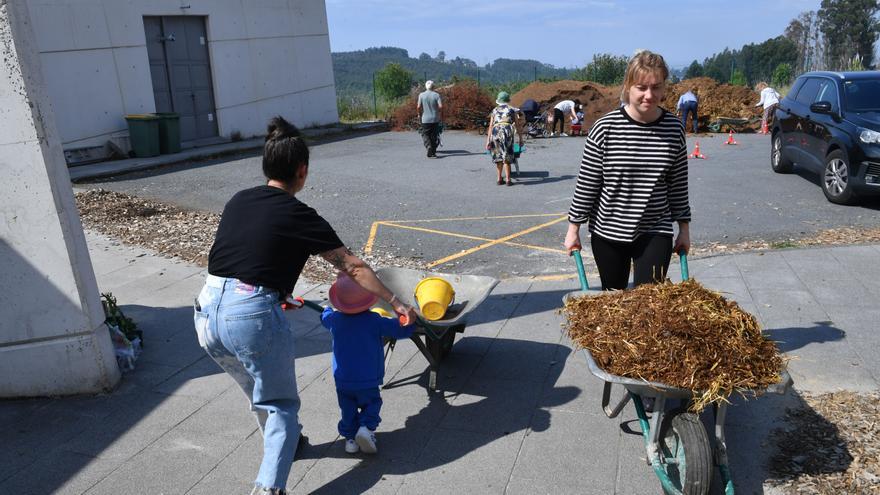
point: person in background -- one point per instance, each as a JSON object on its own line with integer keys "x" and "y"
{"x": 560, "y": 111}
{"x": 263, "y": 240}
{"x": 529, "y": 109}
{"x": 429, "y": 107}
{"x": 358, "y": 362}
{"x": 501, "y": 134}
{"x": 770, "y": 100}
{"x": 633, "y": 182}
{"x": 687, "y": 104}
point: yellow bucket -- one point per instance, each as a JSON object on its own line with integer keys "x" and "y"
{"x": 433, "y": 296}
{"x": 381, "y": 312}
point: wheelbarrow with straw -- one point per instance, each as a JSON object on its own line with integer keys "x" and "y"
{"x": 677, "y": 445}
{"x": 439, "y": 315}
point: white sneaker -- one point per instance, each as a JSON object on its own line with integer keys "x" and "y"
{"x": 366, "y": 440}
{"x": 563, "y": 134}
{"x": 351, "y": 447}
{"x": 552, "y": 134}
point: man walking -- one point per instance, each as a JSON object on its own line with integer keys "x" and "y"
{"x": 687, "y": 104}
{"x": 429, "y": 107}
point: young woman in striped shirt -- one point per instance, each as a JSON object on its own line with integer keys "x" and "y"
{"x": 633, "y": 182}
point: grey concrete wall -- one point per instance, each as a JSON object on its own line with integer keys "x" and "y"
{"x": 52, "y": 337}
{"x": 268, "y": 57}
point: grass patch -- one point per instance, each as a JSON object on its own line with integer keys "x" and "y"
{"x": 783, "y": 245}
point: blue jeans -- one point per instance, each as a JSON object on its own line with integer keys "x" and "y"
{"x": 686, "y": 108}
{"x": 243, "y": 328}
{"x": 358, "y": 408}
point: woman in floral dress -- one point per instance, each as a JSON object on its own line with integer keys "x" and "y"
{"x": 502, "y": 131}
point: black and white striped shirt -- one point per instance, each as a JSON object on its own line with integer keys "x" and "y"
{"x": 633, "y": 178}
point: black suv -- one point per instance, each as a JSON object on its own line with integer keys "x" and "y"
{"x": 830, "y": 122}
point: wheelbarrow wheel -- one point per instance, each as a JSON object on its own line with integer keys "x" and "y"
{"x": 685, "y": 452}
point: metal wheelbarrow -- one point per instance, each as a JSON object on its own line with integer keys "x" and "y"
{"x": 677, "y": 445}
{"x": 435, "y": 339}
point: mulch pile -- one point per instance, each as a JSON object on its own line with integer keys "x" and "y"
{"x": 596, "y": 98}
{"x": 465, "y": 106}
{"x": 682, "y": 335}
{"x": 185, "y": 234}
{"x": 829, "y": 446}
{"x": 717, "y": 100}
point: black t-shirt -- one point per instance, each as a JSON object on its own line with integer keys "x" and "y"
{"x": 265, "y": 237}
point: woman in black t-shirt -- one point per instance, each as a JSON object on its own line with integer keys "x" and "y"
{"x": 262, "y": 243}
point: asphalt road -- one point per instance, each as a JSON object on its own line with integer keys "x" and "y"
{"x": 449, "y": 211}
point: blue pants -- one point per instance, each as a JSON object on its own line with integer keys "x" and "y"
{"x": 243, "y": 328}
{"x": 686, "y": 108}
{"x": 358, "y": 408}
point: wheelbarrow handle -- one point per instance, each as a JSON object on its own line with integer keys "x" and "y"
{"x": 683, "y": 260}
{"x": 582, "y": 274}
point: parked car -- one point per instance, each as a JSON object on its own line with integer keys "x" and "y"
{"x": 829, "y": 122}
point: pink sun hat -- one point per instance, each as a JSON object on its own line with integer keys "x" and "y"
{"x": 349, "y": 297}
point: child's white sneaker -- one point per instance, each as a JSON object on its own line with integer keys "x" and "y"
{"x": 366, "y": 440}
{"x": 351, "y": 447}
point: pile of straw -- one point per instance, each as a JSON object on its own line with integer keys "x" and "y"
{"x": 682, "y": 335}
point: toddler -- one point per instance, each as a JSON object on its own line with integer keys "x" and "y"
{"x": 358, "y": 361}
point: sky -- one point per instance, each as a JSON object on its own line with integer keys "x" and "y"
{"x": 561, "y": 33}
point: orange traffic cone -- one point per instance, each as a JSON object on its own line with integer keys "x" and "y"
{"x": 696, "y": 153}
{"x": 730, "y": 139}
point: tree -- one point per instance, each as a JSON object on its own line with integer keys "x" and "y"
{"x": 693, "y": 70}
{"x": 605, "y": 69}
{"x": 424, "y": 57}
{"x": 805, "y": 34}
{"x": 782, "y": 75}
{"x": 441, "y": 56}
{"x": 850, "y": 29}
{"x": 393, "y": 81}
{"x": 738, "y": 78}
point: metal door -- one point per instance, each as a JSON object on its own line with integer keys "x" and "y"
{"x": 180, "y": 68}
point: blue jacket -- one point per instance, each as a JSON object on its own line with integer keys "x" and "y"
{"x": 358, "y": 361}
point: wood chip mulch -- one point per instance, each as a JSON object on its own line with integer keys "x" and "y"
{"x": 185, "y": 234}
{"x": 831, "y": 445}
{"x": 682, "y": 335}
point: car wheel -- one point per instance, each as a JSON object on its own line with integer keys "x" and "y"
{"x": 835, "y": 179}
{"x": 778, "y": 161}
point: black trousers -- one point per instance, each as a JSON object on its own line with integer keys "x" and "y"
{"x": 430, "y": 136}
{"x": 649, "y": 254}
{"x": 558, "y": 117}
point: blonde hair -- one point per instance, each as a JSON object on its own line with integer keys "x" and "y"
{"x": 643, "y": 62}
{"x": 761, "y": 85}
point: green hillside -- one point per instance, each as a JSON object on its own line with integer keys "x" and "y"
{"x": 354, "y": 70}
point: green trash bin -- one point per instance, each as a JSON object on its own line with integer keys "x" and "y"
{"x": 169, "y": 132}
{"x": 143, "y": 132}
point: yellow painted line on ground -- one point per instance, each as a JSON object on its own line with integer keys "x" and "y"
{"x": 496, "y": 242}
{"x": 368, "y": 247}
{"x": 501, "y": 217}
{"x": 471, "y": 237}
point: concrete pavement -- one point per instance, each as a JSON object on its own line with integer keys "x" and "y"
{"x": 518, "y": 411}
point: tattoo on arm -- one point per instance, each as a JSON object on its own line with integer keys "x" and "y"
{"x": 337, "y": 258}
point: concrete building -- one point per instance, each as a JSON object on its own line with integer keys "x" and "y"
{"x": 52, "y": 337}
{"x": 226, "y": 66}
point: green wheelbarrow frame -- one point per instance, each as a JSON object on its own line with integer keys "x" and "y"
{"x": 731, "y": 123}
{"x": 668, "y": 465}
